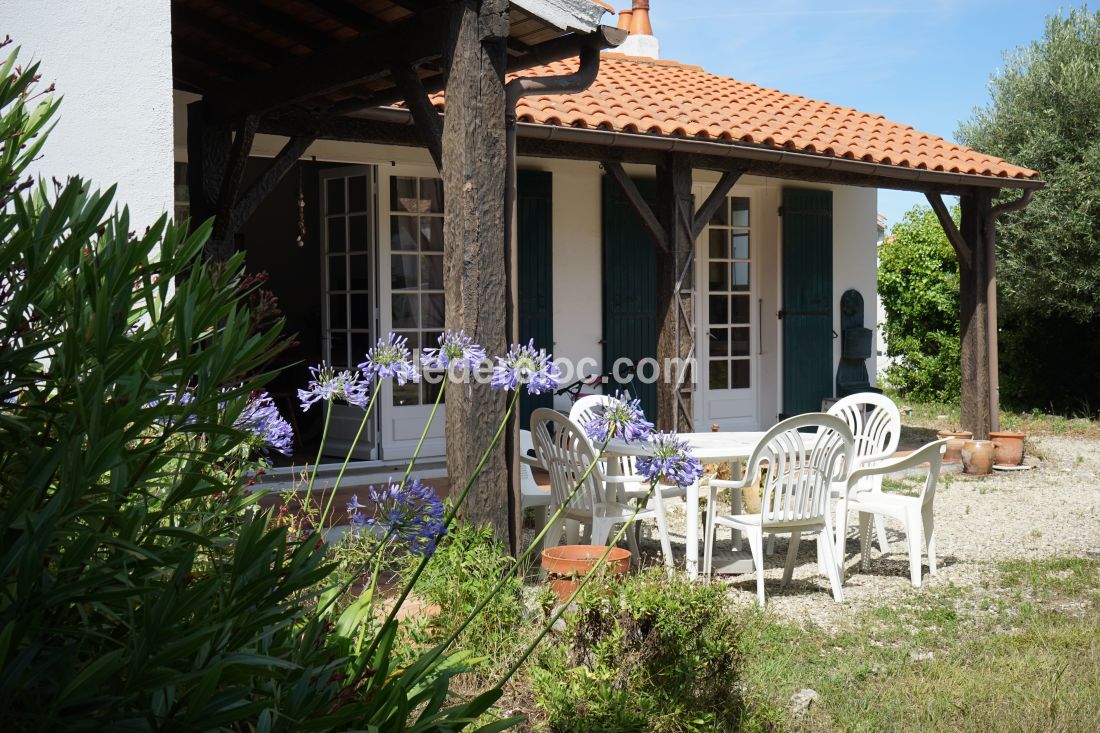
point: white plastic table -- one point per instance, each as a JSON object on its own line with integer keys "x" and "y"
{"x": 708, "y": 448}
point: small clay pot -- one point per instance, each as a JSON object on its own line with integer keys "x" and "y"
{"x": 977, "y": 457}
{"x": 1008, "y": 447}
{"x": 955, "y": 441}
{"x": 565, "y": 564}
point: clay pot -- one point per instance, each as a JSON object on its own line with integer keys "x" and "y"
{"x": 955, "y": 441}
{"x": 565, "y": 564}
{"x": 1008, "y": 447}
{"x": 977, "y": 457}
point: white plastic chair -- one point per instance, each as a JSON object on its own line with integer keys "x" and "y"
{"x": 915, "y": 512}
{"x": 623, "y": 475}
{"x": 795, "y": 498}
{"x": 566, "y": 452}
{"x": 875, "y": 423}
{"x": 532, "y": 496}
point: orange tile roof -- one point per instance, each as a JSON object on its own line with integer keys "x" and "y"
{"x": 640, "y": 95}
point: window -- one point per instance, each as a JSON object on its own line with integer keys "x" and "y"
{"x": 416, "y": 272}
{"x": 729, "y": 276}
{"x": 349, "y": 270}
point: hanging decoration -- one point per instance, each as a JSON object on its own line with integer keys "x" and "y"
{"x": 301, "y": 241}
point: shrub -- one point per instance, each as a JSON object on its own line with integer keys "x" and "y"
{"x": 918, "y": 280}
{"x": 649, "y": 653}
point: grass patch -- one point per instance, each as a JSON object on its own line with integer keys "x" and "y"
{"x": 921, "y": 420}
{"x": 1022, "y": 654}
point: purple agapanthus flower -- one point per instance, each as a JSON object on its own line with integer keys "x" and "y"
{"x": 527, "y": 366}
{"x": 327, "y": 384}
{"x": 456, "y": 349}
{"x": 621, "y": 417}
{"x": 670, "y": 461}
{"x": 410, "y": 512}
{"x": 390, "y": 357}
{"x": 262, "y": 419}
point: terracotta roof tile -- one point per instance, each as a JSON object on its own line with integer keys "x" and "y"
{"x": 669, "y": 98}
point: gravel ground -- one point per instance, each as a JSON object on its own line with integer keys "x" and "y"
{"x": 1053, "y": 510}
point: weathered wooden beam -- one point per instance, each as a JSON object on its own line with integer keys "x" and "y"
{"x": 637, "y": 201}
{"x": 286, "y": 26}
{"x": 208, "y": 151}
{"x": 716, "y": 198}
{"x": 223, "y": 231}
{"x": 475, "y": 255}
{"x": 675, "y": 294}
{"x": 339, "y": 65}
{"x": 974, "y": 276}
{"x": 428, "y": 120}
{"x": 280, "y": 165}
{"x": 962, "y": 248}
{"x": 223, "y": 35}
{"x": 350, "y": 15}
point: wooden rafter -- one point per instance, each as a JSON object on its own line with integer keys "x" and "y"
{"x": 341, "y": 65}
{"x": 281, "y": 23}
{"x": 716, "y": 198}
{"x": 247, "y": 204}
{"x": 428, "y": 120}
{"x": 638, "y": 202}
{"x": 962, "y": 249}
{"x": 225, "y": 35}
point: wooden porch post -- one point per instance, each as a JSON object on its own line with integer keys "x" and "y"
{"x": 208, "y": 153}
{"x": 474, "y": 261}
{"x": 675, "y": 294}
{"x": 975, "y": 276}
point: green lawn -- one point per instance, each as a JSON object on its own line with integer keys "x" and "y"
{"x": 1022, "y": 654}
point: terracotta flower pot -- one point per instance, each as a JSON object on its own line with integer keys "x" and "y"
{"x": 956, "y": 438}
{"x": 977, "y": 457}
{"x": 565, "y": 564}
{"x": 1008, "y": 447}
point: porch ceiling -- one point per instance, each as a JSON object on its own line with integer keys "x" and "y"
{"x": 258, "y": 56}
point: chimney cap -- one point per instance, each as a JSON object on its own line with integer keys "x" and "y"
{"x": 624, "y": 20}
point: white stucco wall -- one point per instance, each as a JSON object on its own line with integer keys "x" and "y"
{"x": 111, "y": 62}
{"x": 855, "y": 263}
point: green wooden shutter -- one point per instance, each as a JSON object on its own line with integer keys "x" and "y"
{"x": 807, "y": 299}
{"x": 534, "y": 221}
{"x": 629, "y": 287}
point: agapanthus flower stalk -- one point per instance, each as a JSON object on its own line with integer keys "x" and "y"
{"x": 670, "y": 461}
{"x": 620, "y": 417}
{"x": 526, "y": 366}
{"x": 456, "y": 350}
{"x": 262, "y": 419}
{"x": 327, "y": 384}
{"x": 390, "y": 358}
{"x": 411, "y": 513}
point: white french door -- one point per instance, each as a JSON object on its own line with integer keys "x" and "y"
{"x": 350, "y": 298}
{"x": 411, "y": 277}
{"x": 727, "y": 318}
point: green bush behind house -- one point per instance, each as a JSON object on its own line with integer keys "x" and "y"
{"x": 918, "y": 281}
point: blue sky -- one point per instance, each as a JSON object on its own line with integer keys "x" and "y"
{"x": 924, "y": 63}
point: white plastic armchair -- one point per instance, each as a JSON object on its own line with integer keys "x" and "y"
{"x": 876, "y": 427}
{"x": 532, "y": 495}
{"x": 795, "y": 498}
{"x": 567, "y": 454}
{"x": 915, "y": 512}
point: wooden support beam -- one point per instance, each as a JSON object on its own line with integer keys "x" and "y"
{"x": 428, "y": 120}
{"x": 350, "y": 15}
{"x": 208, "y": 151}
{"x": 223, "y": 35}
{"x": 280, "y": 165}
{"x": 475, "y": 256}
{"x": 638, "y": 202}
{"x": 675, "y": 294}
{"x": 962, "y": 248}
{"x": 974, "y": 276}
{"x": 286, "y": 26}
{"x": 223, "y": 233}
{"x": 716, "y": 198}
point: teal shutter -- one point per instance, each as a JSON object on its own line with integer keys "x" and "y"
{"x": 534, "y": 215}
{"x": 629, "y": 287}
{"x": 807, "y": 311}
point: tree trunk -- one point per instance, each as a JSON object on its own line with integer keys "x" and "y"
{"x": 475, "y": 256}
